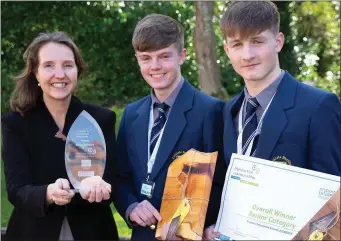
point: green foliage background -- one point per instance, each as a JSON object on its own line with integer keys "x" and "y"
{"x": 103, "y": 31}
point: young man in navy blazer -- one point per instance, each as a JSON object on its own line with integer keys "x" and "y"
{"x": 156, "y": 129}
{"x": 275, "y": 117}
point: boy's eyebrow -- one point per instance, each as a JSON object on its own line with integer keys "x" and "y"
{"x": 142, "y": 55}
{"x": 147, "y": 55}
{"x": 234, "y": 41}
{"x": 258, "y": 37}
{"x": 167, "y": 52}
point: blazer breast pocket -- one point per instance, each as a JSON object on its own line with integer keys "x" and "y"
{"x": 289, "y": 154}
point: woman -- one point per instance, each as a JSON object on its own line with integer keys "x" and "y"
{"x": 43, "y": 110}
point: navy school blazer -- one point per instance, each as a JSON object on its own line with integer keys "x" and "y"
{"x": 301, "y": 127}
{"x": 195, "y": 121}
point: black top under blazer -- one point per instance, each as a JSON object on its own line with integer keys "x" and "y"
{"x": 33, "y": 158}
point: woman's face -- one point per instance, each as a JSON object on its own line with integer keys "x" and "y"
{"x": 57, "y": 72}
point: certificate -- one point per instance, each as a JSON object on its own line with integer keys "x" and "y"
{"x": 267, "y": 200}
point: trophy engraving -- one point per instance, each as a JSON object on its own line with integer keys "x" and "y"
{"x": 85, "y": 150}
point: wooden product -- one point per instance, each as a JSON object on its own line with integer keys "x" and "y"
{"x": 325, "y": 225}
{"x": 186, "y": 195}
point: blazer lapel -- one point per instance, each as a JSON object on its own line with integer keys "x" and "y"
{"x": 174, "y": 126}
{"x": 140, "y": 130}
{"x": 230, "y": 129}
{"x": 275, "y": 119}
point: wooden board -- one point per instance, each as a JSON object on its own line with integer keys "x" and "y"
{"x": 327, "y": 220}
{"x": 197, "y": 170}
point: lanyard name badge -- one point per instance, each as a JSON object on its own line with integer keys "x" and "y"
{"x": 147, "y": 188}
{"x": 241, "y": 130}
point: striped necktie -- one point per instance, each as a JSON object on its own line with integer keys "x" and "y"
{"x": 158, "y": 125}
{"x": 250, "y": 125}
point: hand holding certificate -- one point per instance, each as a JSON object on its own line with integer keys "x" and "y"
{"x": 267, "y": 200}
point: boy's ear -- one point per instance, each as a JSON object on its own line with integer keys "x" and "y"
{"x": 226, "y": 49}
{"x": 183, "y": 54}
{"x": 137, "y": 60}
{"x": 279, "y": 42}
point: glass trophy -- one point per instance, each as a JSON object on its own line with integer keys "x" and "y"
{"x": 85, "y": 150}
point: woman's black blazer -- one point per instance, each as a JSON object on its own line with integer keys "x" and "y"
{"x": 33, "y": 158}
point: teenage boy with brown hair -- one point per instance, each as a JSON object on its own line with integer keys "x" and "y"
{"x": 275, "y": 117}
{"x": 174, "y": 118}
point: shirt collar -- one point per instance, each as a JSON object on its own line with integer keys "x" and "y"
{"x": 171, "y": 98}
{"x": 264, "y": 97}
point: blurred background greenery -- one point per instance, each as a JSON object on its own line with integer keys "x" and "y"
{"x": 103, "y": 31}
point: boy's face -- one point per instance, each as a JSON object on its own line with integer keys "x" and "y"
{"x": 255, "y": 58}
{"x": 161, "y": 68}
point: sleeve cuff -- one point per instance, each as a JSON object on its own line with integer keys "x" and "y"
{"x": 128, "y": 211}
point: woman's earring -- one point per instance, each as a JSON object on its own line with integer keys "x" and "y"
{"x": 38, "y": 84}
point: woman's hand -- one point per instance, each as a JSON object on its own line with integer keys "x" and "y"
{"x": 59, "y": 192}
{"x": 95, "y": 189}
